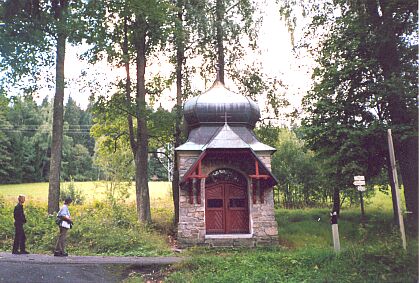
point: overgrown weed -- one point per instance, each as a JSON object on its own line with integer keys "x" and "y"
{"x": 99, "y": 229}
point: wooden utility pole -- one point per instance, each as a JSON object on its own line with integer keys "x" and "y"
{"x": 396, "y": 184}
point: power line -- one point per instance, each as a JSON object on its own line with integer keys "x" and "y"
{"x": 70, "y": 125}
{"x": 37, "y": 130}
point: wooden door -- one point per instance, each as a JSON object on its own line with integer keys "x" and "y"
{"x": 226, "y": 209}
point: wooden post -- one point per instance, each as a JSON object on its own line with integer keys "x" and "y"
{"x": 254, "y": 193}
{"x": 396, "y": 184}
{"x": 198, "y": 191}
{"x": 335, "y": 231}
{"x": 362, "y": 206}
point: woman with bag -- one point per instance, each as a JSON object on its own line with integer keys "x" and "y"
{"x": 65, "y": 223}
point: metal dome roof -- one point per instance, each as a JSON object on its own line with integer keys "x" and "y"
{"x": 218, "y": 104}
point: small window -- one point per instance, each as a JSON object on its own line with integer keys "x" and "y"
{"x": 213, "y": 203}
{"x": 237, "y": 202}
{"x": 226, "y": 175}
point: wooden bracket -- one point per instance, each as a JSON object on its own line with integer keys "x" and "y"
{"x": 254, "y": 193}
{"x": 198, "y": 173}
{"x": 191, "y": 192}
{"x": 198, "y": 191}
{"x": 257, "y": 175}
{"x": 262, "y": 195}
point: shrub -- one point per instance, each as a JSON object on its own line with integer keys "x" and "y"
{"x": 99, "y": 229}
{"x": 73, "y": 192}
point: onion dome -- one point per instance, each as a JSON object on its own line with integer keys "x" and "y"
{"x": 218, "y": 105}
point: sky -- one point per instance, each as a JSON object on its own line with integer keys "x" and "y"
{"x": 277, "y": 58}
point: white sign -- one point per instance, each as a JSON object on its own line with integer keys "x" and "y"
{"x": 359, "y": 178}
{"x": 359, "y": 183}
{"x": 361, "y": 188}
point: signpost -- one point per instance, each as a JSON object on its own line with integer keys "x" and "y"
{"x": 359, "y": 182}
{"x": 396, "y": 185}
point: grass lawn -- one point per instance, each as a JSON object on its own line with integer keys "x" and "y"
{"x": 370, "y": 251}
{"x": 38, "y": 192}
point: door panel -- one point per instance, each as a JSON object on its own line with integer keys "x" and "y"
{"x": 214, "y": 210}
{"x": 226, "y": 209}
{"x": 237, "y": 214}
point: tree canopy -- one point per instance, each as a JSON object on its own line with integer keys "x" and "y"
{"x": 364, "y": 83}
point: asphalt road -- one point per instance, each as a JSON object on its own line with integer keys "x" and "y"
{"x": 14, "y": 272}
{"x": 75, "y": 269}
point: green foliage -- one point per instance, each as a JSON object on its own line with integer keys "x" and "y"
{"x": 370, "y": 253}
{"x": 364, "y": 83}
{"x": 73, "y": 192}
{"x": 300, "y": 174}
{"x": 117, "y": 192}
{"x": 6, "y": 164}
{"x": 27, "y": 126}
{"x": 377, "y": 263}
{"x": 113, "y": 153}
{"x": 99, "y": 229}
{"x": 26, "y": 46}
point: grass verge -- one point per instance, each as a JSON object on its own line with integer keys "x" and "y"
{"x": 99, "y": 229}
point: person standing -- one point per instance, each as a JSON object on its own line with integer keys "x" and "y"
{"x": 65, "y": 224}
{"x": 19, "y": 246}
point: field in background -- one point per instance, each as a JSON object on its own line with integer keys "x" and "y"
{"x": 38, "y": 192}
{"x": 160, "y": 193}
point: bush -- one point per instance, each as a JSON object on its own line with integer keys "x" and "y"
{"x": 99, "y": 229}
{"x": 73, "y": 192}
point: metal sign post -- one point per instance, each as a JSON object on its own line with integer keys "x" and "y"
{"x": 359, "y": 182}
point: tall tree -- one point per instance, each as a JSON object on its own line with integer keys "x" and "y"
{"x": 223, "y": 31}
{"x": 226, "y": 31}
{"x": 26, "y": 119}
{"x": 365, "y": 82}
{"x": 60, "y": 11}
{"x": 179, "y": 43}
{"x": 35, "y": 31}
{"x": 138, "y": 35}
{"x": 6, "y": 164}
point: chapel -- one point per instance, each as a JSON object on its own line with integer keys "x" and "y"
{"x": 226, "y": 183}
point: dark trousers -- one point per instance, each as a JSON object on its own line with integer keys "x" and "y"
{"x": 60, "y": 246}
{"x": 20, "y": 238}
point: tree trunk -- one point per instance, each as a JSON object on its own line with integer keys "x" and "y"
{"x": 133, "y": 143}
{"x": 58, "y": 112}
{"x": 141, "y": 156}
{"x": 408, "y": 163}
{"x": 400, "y": 116}
{"x": 180, "y": 55}
{"x": 219, "y": 10}
{"x": 336, "y": 200}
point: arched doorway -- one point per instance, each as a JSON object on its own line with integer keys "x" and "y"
{"x": 226, "y": 203}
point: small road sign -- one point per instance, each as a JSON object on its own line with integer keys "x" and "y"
{"x": 359, "y": 178}
{"x": 359, "y": 183}
{"x": 361, "y": 188}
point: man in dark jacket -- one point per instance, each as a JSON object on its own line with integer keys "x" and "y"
{"x": 20, "y": 219}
